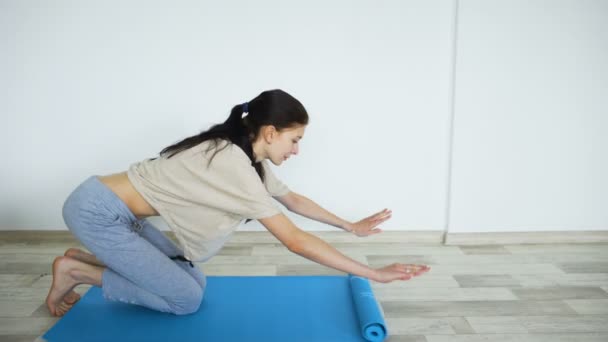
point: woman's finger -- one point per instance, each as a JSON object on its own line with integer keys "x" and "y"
{"x": 377, "y": 223}
{"x": 381, "y": 213}
{"x": 374, "y": 216}
{"x": 384, "y": 219}
{"x": 420, "y": 269}
{"x": 375, "y": 231}
{"x": 371, "y": 232}
{"x": 382, "y": 216}
{"x": 412, "y": 268}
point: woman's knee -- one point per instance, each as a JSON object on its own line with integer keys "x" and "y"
{"x": 188, "y": 300}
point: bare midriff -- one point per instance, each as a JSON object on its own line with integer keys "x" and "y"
{"x": 120, "y": 184}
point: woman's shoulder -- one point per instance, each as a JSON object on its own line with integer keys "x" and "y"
{"x": 210, "y": 148}
{"x": 219, "y": 154}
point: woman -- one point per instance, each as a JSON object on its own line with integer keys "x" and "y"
{"x": 203, "y": 187}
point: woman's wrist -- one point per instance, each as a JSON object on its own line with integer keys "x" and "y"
{"x": 374, "y": 275}
{"x": 347, "y": 226}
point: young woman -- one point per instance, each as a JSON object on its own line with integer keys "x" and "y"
{"x": 203, "y": 187}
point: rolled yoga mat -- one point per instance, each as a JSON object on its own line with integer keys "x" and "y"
{"x": 286, "y": 308}
{"x": 370, "y": 317}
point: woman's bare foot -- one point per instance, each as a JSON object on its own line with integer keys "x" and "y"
{"x": 72, "y": 297}
{"x": 79, "y": 254}
{"x": 66, "y": 304}
{"x": 67, "y": 273}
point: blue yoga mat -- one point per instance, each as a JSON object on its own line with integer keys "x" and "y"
{"x": 291, "y": 308}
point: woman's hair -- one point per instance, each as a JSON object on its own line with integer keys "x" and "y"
{"x": 272, "y": 107}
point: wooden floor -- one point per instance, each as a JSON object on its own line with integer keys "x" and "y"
{"x": 549, "y": 292}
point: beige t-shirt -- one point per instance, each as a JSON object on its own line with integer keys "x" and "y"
{"x": 203, "y": 205}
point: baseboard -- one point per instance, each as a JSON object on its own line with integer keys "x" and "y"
{"x": 506, "y": 238}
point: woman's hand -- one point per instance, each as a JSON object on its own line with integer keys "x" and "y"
{"x": 398, "y": 271}
{"x": 366, "y": 226}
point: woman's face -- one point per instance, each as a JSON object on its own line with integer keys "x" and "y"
{"x": 285, "y": 144}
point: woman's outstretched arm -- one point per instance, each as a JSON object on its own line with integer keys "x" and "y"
{"x": 308, "y": 208}
{"x": 317, "y": 250}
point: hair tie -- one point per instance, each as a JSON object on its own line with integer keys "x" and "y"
{"x": 245, "y": 107}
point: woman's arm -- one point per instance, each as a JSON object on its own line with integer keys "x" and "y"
{"x": 317, "y": 250}
{"x": 308, "y": 208}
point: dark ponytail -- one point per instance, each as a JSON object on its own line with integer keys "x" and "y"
{"x": 272, "y": 107}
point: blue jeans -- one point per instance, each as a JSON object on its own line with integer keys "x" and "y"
{"x": 137, "y": 255}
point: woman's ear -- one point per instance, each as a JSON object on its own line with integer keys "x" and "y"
{"x": 269, "y": 133}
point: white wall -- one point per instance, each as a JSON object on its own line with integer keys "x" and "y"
{"x": 530, "y": 149}
{"x": 91, "y": 87}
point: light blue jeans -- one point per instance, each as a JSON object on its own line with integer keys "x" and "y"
{"x": 137, "y": 255}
